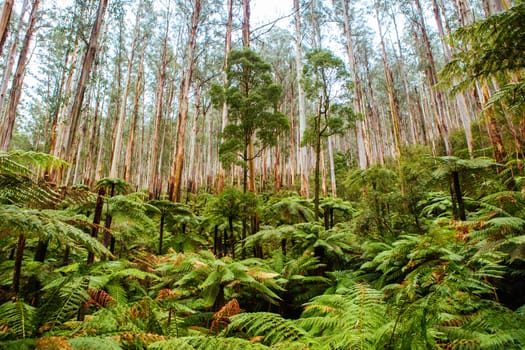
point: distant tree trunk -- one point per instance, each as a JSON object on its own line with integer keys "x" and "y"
{"x": 402, "y": 71}
{"x": 117, "y": 145}
{"x": 392, "y": 96}
{"x": 461, "y": 101}
{"x": 18, "y": 81}
{"x": 134, "y": 119}
{"x": 4, "y": 22}
{"x": 70, "y": 58}
{"x": 358, "y": 94}
{"x": 192, "y": 166}
{"x": 85, "y": 73}
{"x": 333, "y": 184}
{"x": 438, "y": 102}
{"x": 94, "y": 134}
{"x": 183, "y": 104}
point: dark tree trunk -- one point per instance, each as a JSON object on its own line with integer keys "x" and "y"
{"x": 161, "y": 236}
{"x": 459, "y": 196}
{"x": 19, "y": 255}
{"x": 97, "y": 216}
{"x": 41, "y": 250}
{"x": 216, "y": 242}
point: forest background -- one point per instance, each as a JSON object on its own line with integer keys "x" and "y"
{"x": 163, "y": 162}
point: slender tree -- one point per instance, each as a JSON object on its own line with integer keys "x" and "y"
{"x": 325, "y": 77}
{"x": 183, "y": 104}
{"x": 15, "y": 94}
{"x": 85, "y": 73}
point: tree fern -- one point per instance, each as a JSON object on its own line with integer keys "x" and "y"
{"x": 19, "y": 317}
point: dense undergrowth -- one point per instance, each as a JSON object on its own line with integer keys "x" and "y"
{"x": 390, "y": 266}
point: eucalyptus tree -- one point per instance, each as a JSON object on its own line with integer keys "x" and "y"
{"x": 15, "y": 94}
{"x": 85, "y": 73}
{"x": 325, "y": 79}
{"x": 182, "y": 118}
{"x": 252, "y": 98}
{"x": 301, "y": 102}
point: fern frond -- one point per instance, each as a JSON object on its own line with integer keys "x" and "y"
{"x": 272, "y": 327}
{"x": 19, "y": 317}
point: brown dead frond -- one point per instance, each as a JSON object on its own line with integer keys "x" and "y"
{"x": 222, "y": 317}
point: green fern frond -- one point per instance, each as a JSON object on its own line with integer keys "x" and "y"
{"x": 272, "y": 327}
{"x": 19, "y": 317}
{"x": 72, "y": 297}
{"x": 360, "y": 311}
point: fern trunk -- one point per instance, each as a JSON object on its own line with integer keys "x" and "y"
{"x": 161, "y": 233}
{"x": 19, "y": 255}
{"x": 41, "y": 250}
{"x": 459, "y": 196}
{"x": 97, "y": 216}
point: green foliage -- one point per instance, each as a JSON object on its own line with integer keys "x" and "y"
{"x": 48, "y": 224}
{"x": 499, "y": 55}
{"x": 19, "y": 182}
{"x": 252, "y": 98}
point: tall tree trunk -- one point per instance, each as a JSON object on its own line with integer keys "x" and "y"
{"x": 250, "y": 148}
{"x": 442, "y": 123}
{"x": 134, "y": 119}
{"x": 192, "y": 166}
{"x": 117, "y": 145}
{"x": 461, "y": 100}
{"x": 10, "y": 59}
{"x": 358, "y": 95}
{"x": 402, "y": 71}
{"x": 85, "y": 73}
{"x": 333, "y": 184}
{"x": 224, "y": 119}
{"x": 301, "y": 100}
{"x": 161, "y": 82}
{"x": 392, "y": 96}
{"x": 4, "y": 22}
{"x": 183, "y": 104}
{"x": 18, "y": 81}
{"x": 93, "y": 138}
